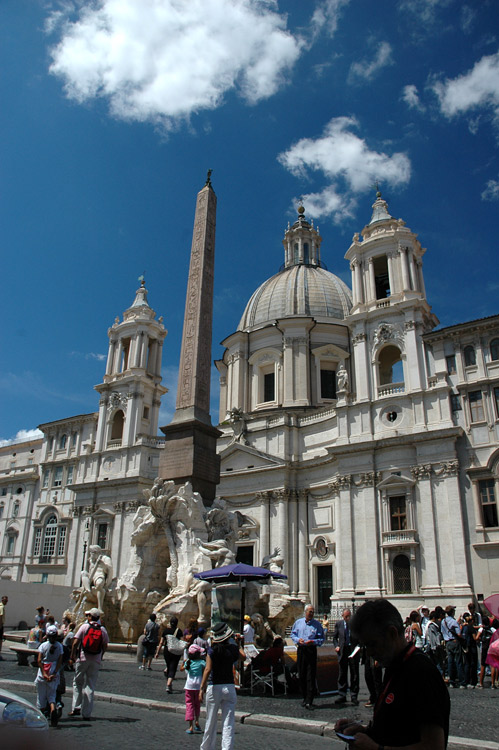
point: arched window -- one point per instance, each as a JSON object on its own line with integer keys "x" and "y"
{"x": 49, "y": 536}
{"x": 390, "y": 365}
{"x": 117, "y": 426}
{"x": 494, "y": 349}
{"x": 469, "y": 356}
{"x": 62, "y": 442}
{"x": 401, "y": 575}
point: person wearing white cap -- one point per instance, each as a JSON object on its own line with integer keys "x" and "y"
{"x": 91, "y": 640}
{"x": 218, "y": 685}
{"x": 47, "y": 679}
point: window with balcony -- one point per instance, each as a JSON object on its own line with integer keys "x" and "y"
{"x": 494, "y": 349}
{"x": 117, "y": 426}
{"x": 469, "y": 356}
{"x": 49, "y": 537}
{"x": 488, "y": 502}
{"x": 102, "y": 535}
{"x": 398, "y": 513}
{"x": 450, "y": 361}
{"x": 401, "y": 568}
{"x": 390, "y": 366}
{"x": 475, "y": 399}
{"x": 58, "y": 476}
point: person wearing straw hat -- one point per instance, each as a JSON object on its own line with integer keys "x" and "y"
{"x": 218, "y": 685}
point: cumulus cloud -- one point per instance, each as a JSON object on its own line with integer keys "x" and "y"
{"x": 491, "y": 192}
{"x": 163, "y": 60}
{"x": 367, "y": 69}
{"x": 326, "y": 16}
{"x": 347, "y": 163}
{"x": 477, "y": 88}
{"x": 22, "y": 436}
{"x": 411, "y": 97}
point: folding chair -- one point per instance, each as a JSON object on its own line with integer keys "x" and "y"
{"x": 265, "y": 680}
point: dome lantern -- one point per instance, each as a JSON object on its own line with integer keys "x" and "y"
{"x": 302, "y": 243}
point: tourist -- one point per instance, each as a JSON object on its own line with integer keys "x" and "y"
{"x": 435, "y": 647}
{"x": 92, "y": 641}
{"x": 485, "y": 636}
{"x": 191, "y": 631}
{"x": 171, "y": 659}
{"x": 493, "y": 661}
{"x": 451, "y": 633}
{"x": 248, "y": 630}
{"x": 218, "y": 685}
{"x": 194, "y": 666}
{"x": 151, "y": 640}
{"x": 50, "y": 654}
{"x": 3, "y": 604}
{"x": 346, "y": 647}
{"x": 413, "y": 708}
{"x": 200, "y": 639}
{"x": 307, "y": 633}
{"x": 414, "y": 631}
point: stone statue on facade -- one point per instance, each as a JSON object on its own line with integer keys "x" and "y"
{"x": 218, "y": 551}
{"x": 238, "y": 424}
{"x": 342, "y": 379}
{"x": 274, "y": 562}
{"x": 96, "y": 579}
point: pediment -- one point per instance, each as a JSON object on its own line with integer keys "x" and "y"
{"x": 394, "y": 481}
{"x": 238, "y": 457}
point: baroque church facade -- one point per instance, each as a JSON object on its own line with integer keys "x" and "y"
{"x": 357, "y": 437}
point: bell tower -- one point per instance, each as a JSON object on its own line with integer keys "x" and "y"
{"x": 131, "y": 389}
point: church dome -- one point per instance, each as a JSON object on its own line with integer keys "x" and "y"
{"x": 298, "y": 290}
{"x": 303, "y": 286}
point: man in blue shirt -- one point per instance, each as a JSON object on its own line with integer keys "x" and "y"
{"x": 307, "y": 633}
{"x": 451, "y": 633}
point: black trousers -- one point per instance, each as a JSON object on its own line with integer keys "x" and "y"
{"x": 373, "y": 676}
{"x": 307, "y": 671}
{"x": 345, "y": 664}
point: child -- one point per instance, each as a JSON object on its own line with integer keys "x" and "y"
{"x": 194, "y": 666}
{"x": 49, "y": 664}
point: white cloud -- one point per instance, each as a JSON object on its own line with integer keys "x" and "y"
{"x": 411, "y": 97}
{"x": 89, "y": 355}
{"x": 326, "y": 16}
{"x": 491, "y": 192}
{"x": 423, "y": 12}
{"x": 368, "y": 69}
{"x": 22, "y": 436}
{"x": 341, "y": 155}
{"x": 477, "y": 88}
{"x": 163, "y": 60}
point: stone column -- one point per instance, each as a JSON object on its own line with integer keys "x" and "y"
{"x": 412, "y": 272}
{"x": 283, "y": 526}
{"x": 391, "y": 275}
{"x": 426, "y": 524}
{"x": 289, "y": 371}
{"x": 110, "y": 357}
{"x": 372, "y": 280}
{"x": 406, "y": 284}
{"x": 293, "y": 545}
{"x": 303, "y": 583}
{"x": 362, "y": 366}
{"x": 345, "y": 549}
{"x": 264, "y": 525}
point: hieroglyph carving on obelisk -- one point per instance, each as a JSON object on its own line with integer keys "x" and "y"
{"x": 193, "y": 393}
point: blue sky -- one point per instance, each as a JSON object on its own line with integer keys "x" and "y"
{"x": 113, "y": 110}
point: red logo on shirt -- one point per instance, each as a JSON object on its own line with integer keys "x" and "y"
{"x": 389, "y": 698}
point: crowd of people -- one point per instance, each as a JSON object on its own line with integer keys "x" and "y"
{"x": 449, "y": 651}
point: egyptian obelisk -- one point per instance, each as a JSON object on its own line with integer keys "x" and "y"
{"x": 190, "y": 449}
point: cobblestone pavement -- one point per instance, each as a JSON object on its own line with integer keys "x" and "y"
{"x": 474, "y": 713}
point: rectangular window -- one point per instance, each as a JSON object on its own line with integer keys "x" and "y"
{"x": 61, "y": 542}
{"x": 58, "y": 477}
{"x": 476, "y": 406}
{"x": 455, "y": 402}
{"x": 11, "y": 543}
{"x": 451, "y": 364}
{"x": 102, "y": 535}
{"x": 74, "y": 438}
{"x": 146, "y": 412}
{"x": 69, "y": 479}
{"x": 45, "y": 578}
{"x": 496, "y": 399}
{"x": 328, "y": 384}
{"x": 488, "y": 502}
{"x": 37, "y": 542}
{"x": 46, "y": 477}
{"x": 4, "y": 491}
{"x": 398, "y": 513}
{"x": 269, "y": 386}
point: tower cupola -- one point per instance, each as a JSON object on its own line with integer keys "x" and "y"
{"x": 302, "y": 243}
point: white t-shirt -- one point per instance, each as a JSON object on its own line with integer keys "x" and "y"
{"x": 49, "y": 658}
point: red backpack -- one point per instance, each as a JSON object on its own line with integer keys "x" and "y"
{"x": 92, "y": 640}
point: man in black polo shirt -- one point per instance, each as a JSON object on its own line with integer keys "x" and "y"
{"x": 413, "y": 707}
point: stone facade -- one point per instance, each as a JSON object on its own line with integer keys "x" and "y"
{"x": 358, "y": 438}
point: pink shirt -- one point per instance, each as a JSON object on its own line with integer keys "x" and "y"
{"x": 91, "y": 657}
